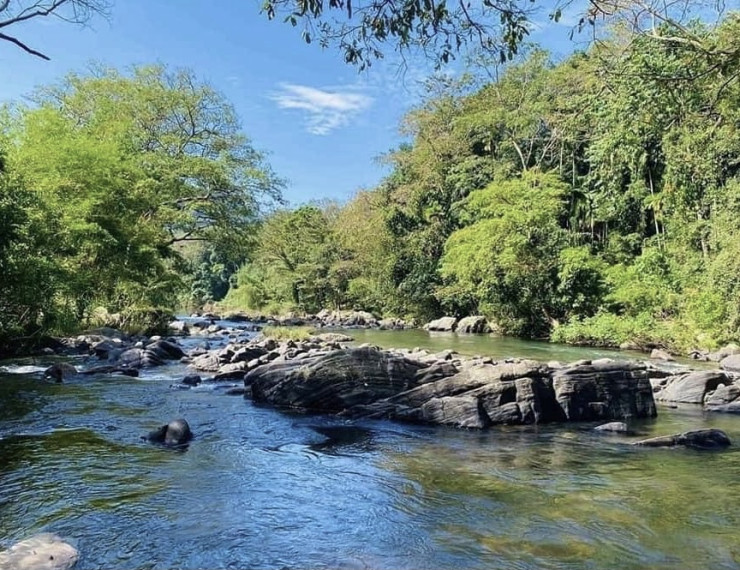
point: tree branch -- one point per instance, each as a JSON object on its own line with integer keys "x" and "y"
{"x": 23, "y": 46}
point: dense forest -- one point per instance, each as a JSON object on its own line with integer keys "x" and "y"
{"x": 590, "y": 200}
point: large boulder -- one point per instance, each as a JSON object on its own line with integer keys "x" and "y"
{"x": 702, "y": 439}
{"x": 730, "y": 363}
{"x": 473, "y": 324}
{"x": 444, "y": 324}
{"x": 691, "y": 387}
{"x": 44, "y": 551}
{"x": 333, "y": 382}
{"x": 165, "y": 350}
{"x": 604, "y": 390}
{"x": 370, "y": 383}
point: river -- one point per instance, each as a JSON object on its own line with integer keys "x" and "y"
{"x": 263, "y": 489}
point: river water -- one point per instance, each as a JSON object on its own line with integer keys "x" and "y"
{"x": 264, "y": 489}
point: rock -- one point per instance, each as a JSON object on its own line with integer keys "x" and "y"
{"x": 59, "y": 371}
{"x": 443, "y": 324}
{"x": 208, "y": 362}
{"x": 702, "y": 439}
{"x": 333, "y": 382}
{"x": 727, "y": 350}
{"x": 457, "y": 411}
{"x": 40, "y": 552}
{"x": 180, "y": 327}
{"x": 724, "y": 394}
{"x": 192, "y": 380}
{"x": 165, "y": 350}
{"x": 391, "y": 324}
{"x": 334, "y": 337}
{"x": 731, "y": 408}
{"x": 213, "y": 329}
{"x": 174, "y": 434}
{"x": 107, "y": 348}
{"x": 231, "y": 371}
{"x": 731, "y": 363}
{"x": 630, "y": 345}
{"x": 474, "y": 324}
{"x": 139, "y": 358}
{"x": 372, "y": 383}
{"x": 658, "y": 354}
{"x": 691, "y": 387}
{"x": 237, "y": 317}
{"x": 246, "y": 353}
{"x": 609, "y": 390}
{"x": 616, "y": 427}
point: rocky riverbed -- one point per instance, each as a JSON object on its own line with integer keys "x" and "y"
{"x": 341, "y": 389}
{"x": 326, "y": 373}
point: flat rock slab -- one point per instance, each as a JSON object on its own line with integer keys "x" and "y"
{"x": 44, "y": 551}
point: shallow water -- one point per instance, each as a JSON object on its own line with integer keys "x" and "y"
{"x": 259, "y": 488}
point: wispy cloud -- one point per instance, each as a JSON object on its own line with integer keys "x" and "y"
{"x": 325, "y": 109}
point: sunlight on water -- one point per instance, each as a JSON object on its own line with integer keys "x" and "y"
{"x": 258, "y": 488}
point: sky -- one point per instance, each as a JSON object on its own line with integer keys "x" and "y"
{"x": 321, "y": 123}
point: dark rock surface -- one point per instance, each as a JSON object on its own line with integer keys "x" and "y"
{"x": 701, "y": 439}
{"x": 473, "y": 324}
{"x": 174, "y": 434}
{"x": 372, "y": 383}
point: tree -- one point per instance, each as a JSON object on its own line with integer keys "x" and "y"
{"x": 125, "y": 169}
{"x": 14, "y": 12}
{"x": 440, "y": 28}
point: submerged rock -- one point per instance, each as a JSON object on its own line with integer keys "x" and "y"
{"x": 44, "y": 551}
{"x": 59, "y": 371}
{"x": 174, "y": 434}
{"x": 701, "y": 439}
{"x": 613, "y": 427}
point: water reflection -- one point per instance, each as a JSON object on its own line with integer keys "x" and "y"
{"x": 265, "y": 489}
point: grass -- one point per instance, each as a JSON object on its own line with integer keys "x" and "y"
{"x": 288, "y": 333}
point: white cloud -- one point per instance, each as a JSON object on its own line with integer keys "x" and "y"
{"x": 325, "y": 110}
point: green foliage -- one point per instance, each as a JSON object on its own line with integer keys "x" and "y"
{"x": 105, "y": 180}
{"x": 594, "y": 201}
{"x": 507, "y": 254}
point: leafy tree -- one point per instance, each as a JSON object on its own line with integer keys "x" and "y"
{"x": 122, "y": 170}
{"x": 441, "y": 28}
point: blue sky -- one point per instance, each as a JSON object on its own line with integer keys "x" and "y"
{"x": 321, "y": 122}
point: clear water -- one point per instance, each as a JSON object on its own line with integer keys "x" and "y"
{"x": 259, "y": 488}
